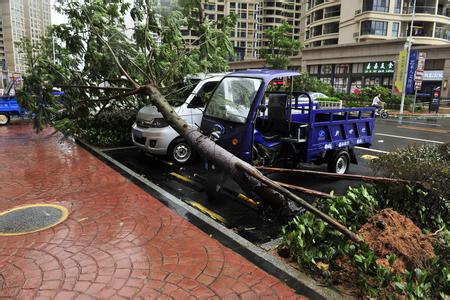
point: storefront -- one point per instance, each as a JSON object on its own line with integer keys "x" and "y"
{"x": 351, "y": 66}
{"x": 345, "y": 78}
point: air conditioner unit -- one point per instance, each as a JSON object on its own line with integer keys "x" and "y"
{"x": 357, "y": 12}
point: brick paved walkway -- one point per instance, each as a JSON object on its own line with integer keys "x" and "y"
{"x": 118, "y": 241}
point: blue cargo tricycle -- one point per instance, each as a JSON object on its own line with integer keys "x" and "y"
{"x": 257, "y": 116}
{"x": 9, "y": 105}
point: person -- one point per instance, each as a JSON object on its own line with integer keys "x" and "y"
{"x": 377, "y": 103}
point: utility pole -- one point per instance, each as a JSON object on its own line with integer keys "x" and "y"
{"x": 402, "y": 104}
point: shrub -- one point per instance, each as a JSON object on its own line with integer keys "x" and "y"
{"x": 323, "y": 250}
{"x": 428, "y": 205}
{"x": 307, "y": 83}
{"x": 311, "y": 240}
{"x": 334, "y": 99}
{"x": 109, "y": 128}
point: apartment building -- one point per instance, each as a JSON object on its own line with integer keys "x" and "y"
{"x": 253, "y": 17}
{"x": 331, "y": 22}
{"x": 20, "y": 19}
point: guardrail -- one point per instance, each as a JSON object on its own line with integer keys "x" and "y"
{"x": 330, "y": 104}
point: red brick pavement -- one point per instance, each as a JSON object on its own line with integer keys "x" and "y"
{"x": 118, "y": 241}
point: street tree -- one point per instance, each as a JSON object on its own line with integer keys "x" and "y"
{"x": 280, "y": 45}
{"x": 101, "y": 67}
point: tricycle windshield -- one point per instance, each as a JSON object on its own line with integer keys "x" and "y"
{"x": 233, "y": 98}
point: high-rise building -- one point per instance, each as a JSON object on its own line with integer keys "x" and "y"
{"x": 253, "y": 17}
{"x": 328, "y": 22}
{"x": 20, "y": 19}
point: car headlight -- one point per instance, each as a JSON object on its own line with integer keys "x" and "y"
{"x": 152, "y": 123}
{"x": 158, "y": 123}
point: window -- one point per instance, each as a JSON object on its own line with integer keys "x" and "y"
{"x": 340, "y": 84}
{"x": 357, "y": 68}
{"x": 341, "y": 69}
{"x": 397, "y": 6}
{"x": 376, "y": 5}
{"x": 374, "y": 28}
{"x": 313, "y": 69}
{"x": 395, "y": 27}
{"x": 325, "y": 69}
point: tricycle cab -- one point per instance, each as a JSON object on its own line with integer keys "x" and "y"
{"x": 256, "y": 115}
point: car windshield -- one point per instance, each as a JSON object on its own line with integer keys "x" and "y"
{"x": 233, "y": 98}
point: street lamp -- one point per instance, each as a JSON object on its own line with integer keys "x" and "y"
{"x": 402, "y": 104}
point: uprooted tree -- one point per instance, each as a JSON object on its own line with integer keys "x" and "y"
{"x": 101, "y": 65}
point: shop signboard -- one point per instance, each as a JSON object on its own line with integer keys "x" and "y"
{"x": 433, "y": 75}
{"x": 412, "y": 65}
{"x": 379, "y": 67}
{"x": 399, "y": 77}
{"x": 420, "y": 70}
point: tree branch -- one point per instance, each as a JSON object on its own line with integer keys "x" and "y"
{"x": 139, "y": 68}
{"x": 123, "y": 95}
{"x": 106, "y": 88}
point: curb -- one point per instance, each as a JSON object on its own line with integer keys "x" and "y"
{"x": 276, "y": 267}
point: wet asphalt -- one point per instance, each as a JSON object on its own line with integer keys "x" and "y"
{"x": 252, "y": 221}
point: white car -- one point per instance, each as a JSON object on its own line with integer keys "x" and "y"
{"x": 314, "y": 96}
{"x": 152, "y": 134}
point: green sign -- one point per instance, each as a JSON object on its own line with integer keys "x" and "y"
{"x": 379, "y": 67}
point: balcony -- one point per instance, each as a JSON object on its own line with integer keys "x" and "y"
{"x": 431, "y": 10}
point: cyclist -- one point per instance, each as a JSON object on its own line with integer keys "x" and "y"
{"x": 377, "y": 103}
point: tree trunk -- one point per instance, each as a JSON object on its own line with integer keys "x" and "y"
{"x": 247, "y": 176}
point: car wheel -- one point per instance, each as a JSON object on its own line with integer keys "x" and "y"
{"x": 180, "y": 151}
{"x": 339, "y": 163}
{"x": 4, "y": 119}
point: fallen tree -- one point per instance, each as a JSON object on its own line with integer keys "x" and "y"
{"x": 138, "y": 71}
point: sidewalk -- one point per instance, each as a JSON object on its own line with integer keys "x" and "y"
{"x": 118, "y": 241}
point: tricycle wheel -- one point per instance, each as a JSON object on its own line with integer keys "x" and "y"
{"x": 339, "y": 162}
{"x": 4, "y": 119}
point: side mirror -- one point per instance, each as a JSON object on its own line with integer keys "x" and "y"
{"x": 262, "y": 108}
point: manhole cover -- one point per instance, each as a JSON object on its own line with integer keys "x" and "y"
{"x": 31, "y": 218}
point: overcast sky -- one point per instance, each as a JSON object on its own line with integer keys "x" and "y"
{"x": 57, "y": 18}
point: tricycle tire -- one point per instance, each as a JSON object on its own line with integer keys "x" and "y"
{"x": 4, "y": 119}
{"x": 339, "y": 163}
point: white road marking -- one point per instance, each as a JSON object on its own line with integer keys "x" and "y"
{"x": 372, "y": 150}
{"x": 412, "y": 122}
{"x": 409, "y": 138}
